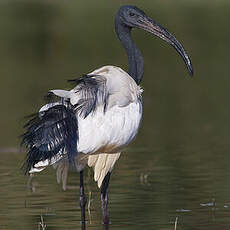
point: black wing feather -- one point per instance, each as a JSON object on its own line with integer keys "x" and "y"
{"x": 51, "y": 132}
{"x": 92, "y": 91}
{"x": 55, "y": 130}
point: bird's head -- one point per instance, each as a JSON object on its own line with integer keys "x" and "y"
{"x": 133, "y": 17}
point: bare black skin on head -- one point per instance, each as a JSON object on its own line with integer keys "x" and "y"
{"x": 129, "y": 17}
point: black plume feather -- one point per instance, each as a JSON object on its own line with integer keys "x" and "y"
{"x": 92, "y": 91}
{"x": 50, "y": 133}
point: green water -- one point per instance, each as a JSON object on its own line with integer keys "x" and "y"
{"x": 178, "y": 166}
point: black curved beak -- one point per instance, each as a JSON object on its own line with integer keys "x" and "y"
{"x": 153, "y": 27}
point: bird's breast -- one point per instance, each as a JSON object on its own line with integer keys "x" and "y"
{"x": 108, "y": 131}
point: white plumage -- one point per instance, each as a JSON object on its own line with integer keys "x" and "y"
{"x": 102, "y": 134}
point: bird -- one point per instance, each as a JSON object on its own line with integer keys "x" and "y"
{"x": 91, "y": 123}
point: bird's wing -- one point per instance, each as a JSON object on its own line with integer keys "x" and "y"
{"x": 51, "y": 134}
{"x": 90, "y": 93}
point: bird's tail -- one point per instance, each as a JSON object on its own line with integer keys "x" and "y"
{"x": 102, "y": 164}
{"x": 51, "y": 135}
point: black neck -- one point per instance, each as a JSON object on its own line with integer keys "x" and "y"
{"x": 136, "y": 62}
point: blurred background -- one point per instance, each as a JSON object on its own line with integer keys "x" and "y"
{"x": 178, "y": 166}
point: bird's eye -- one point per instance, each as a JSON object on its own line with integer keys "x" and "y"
{"x": 131, "y": 14}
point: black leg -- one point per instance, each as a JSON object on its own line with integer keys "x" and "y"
{"x": 82, "y": 200}
{"x": 104, "y": 200}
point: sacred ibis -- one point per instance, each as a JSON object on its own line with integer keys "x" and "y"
{"x": 91, "y": 123}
